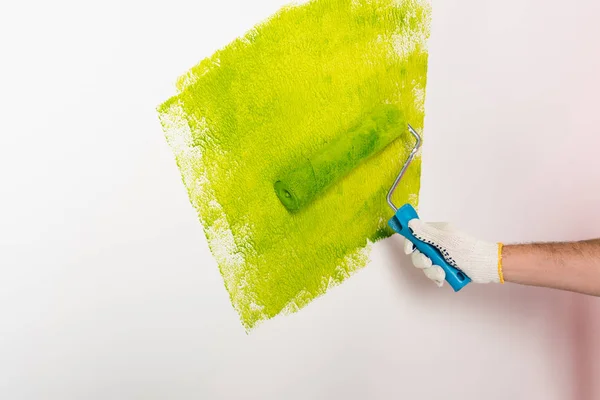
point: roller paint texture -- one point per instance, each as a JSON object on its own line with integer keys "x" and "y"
{"x": 299, "y": 185}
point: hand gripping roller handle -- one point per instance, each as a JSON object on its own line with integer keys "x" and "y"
{"x": 399, "y": 223}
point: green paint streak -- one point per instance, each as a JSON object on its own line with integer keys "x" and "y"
{"x": 274, "y": 98}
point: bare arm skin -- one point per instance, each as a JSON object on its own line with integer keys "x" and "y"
{"x": 573, "y": 266}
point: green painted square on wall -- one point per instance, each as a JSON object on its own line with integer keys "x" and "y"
{"x": 272, "y": 98}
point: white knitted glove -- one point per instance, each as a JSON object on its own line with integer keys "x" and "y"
{"x": 481, "y": 261}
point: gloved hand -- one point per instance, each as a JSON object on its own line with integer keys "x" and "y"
{"x": 481, "y": 261}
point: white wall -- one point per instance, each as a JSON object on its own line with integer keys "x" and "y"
{"x": 108, "y": 290}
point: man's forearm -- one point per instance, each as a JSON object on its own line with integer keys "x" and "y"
{"x": 571, "y": 266}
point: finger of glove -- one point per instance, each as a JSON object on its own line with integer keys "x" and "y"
{"x": 443, "y": 226}
{"x": 428, "y": 232}
{"x": 420, "y": 260}
{"x": 436, "y": 274}
{"x": 408, "y": 247}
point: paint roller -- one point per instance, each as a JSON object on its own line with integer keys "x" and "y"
{"x": 300, "y": 185}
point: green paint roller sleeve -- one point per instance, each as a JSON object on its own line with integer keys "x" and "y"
{"x": 298, "y": 186}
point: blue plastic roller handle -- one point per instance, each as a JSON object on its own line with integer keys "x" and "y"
{"x": 399, "y": 222}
